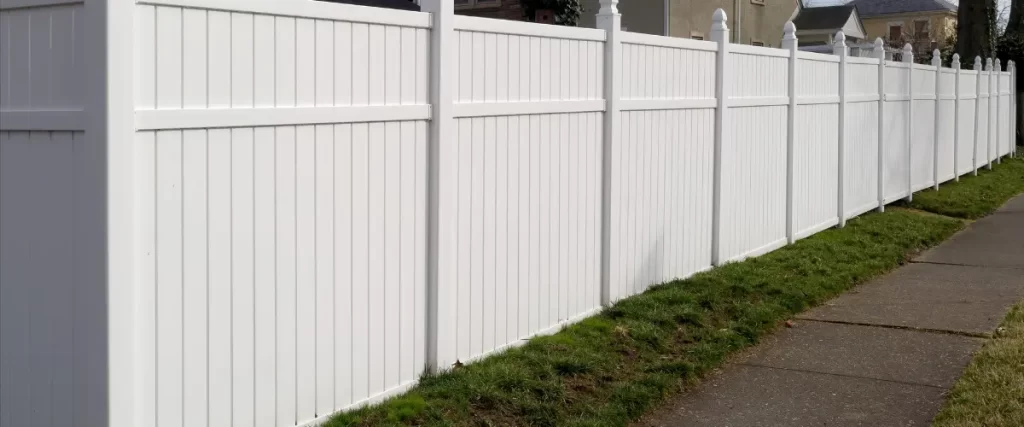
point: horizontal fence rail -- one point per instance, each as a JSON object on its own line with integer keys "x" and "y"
{"x": 315, "y": 203}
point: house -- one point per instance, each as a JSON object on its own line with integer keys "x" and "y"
{"x": 925, "y": 24}
{"x": 818, "y": 26}
{"x": 755, "y": 22}
{"x": 389, "y": 4}
{"x": 499, "y": 9}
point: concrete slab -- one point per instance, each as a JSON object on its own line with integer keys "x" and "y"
{"x": 759, "y": 396}
{"x": 994, "y": 241}
{"x": 969, "y": 300}
{"x": 923, "y": 358}
{"x": 1015, "y": 205}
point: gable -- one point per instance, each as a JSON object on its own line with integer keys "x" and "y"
{"x": 854, "y": 27}
{"x": 823, "y": 18}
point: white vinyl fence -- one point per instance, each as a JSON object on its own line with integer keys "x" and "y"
{"x": 259, "y": 213}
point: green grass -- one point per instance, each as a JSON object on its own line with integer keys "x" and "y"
{"x": 609, "y": 369}
{"x": 991, "y": 391}
{"x": 975, "y": 196}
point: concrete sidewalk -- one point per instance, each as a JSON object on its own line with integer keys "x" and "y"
{"x": 882, "y": 354}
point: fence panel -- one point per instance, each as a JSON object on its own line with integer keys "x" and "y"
{"x": 968, "y": 113}
{"x": 754, "y": 153}
{"x": 816, "y": 144}
{"x": 280, "y": 248}
{"x": 523, "y": 181}
{"x": 922, "y": 151}
{"x": 275, "y": 268}
{"x": 861, "y": 157}
{"x": 662, "y": 167}
{"x": 1005, "y": 114}
{"x": 896, "y": 122}
{"x": 48, "y": 330}
{"x": 946, "y": 103}
{"x": 983, "y": 106}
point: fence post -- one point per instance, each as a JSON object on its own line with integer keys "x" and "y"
{"x": 977, "y": 113}
{"x": 991, "y": 112}
{"x": 998, "y": 117}
{"x": 790, "y": 43}
{"x": 839, "y": 48}
{"x": 104, "y": 183}
{"x": 937, "y": 62}
{"x": 908, "y": 58}
{"x": 439, "y": 297}
{"x": 956, "y": 117}
{"x": 1012, "y": 68}
{"x": 609, "y": 19}
{"x": 879, "y": 52}
{"x": 719, "y": 34}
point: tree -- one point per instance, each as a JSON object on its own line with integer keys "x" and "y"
{"x": 976, "y": 29}
{"x": 1015, "y": 23}
{"x": 1011, "y": 47}
{"x": 566, "y": 12}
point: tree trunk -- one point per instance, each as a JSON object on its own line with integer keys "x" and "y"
{"x": 975, "y": 29}
{"x": 1015, "y": 24}
{"x": 1012, "y": 40}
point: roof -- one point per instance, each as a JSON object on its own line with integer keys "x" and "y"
{"x": 823, "y": 18}
{"x": 869, "y": 8}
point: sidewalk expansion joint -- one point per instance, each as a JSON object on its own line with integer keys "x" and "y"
{"x": 902, "y": 328}
{"x": 953, "y": 264}
{"x": 805, "y": 371}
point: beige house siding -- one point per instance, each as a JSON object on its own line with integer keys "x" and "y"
{"x": 942, "y": 26}
{"x": 638, "y": 16}
{"x": 760, "y": 22}
{"x": 756, "y": 21}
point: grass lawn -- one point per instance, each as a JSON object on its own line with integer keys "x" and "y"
{"x": 611, "y": 368}
{"x": 975, "y": 196}
{"x": 991, "y": 392}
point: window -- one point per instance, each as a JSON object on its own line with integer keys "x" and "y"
{"x": 696, "y": 35}
{"x": 754, "y": 42}
{"x": 472, "y": 4}
{"x": 896, "y": 32}
{"x": 921, "y": 30}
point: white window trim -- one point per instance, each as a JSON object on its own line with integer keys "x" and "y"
{"x": 927, "y": 26}
{"x": 888, "y": 29}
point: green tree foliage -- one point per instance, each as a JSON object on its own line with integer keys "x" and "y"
{"x": 567, "y": 12}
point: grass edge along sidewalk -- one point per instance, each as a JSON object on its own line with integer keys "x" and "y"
{"x": 975, "y": 196}
{"x": 611, "y": 368}
{"x": 991, "y": 391}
